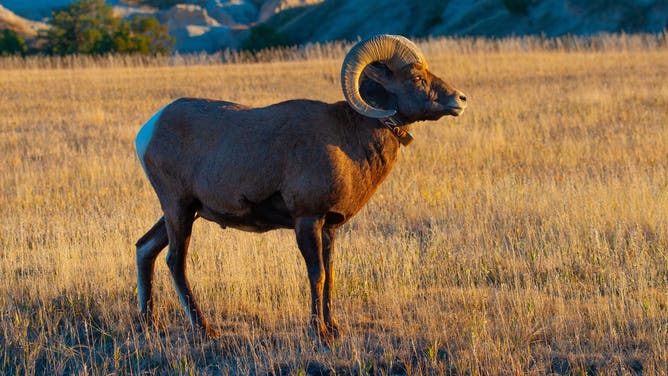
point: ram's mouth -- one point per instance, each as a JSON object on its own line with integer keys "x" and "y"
{"x": 455, "y": 110}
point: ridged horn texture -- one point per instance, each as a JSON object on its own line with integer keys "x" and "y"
{"x": 394, "y": 51}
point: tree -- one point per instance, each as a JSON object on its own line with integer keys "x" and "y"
{"x": 83, "y": 27}
{"x": 90, "y": 27}
{"x": 11, "y": 43}
{"x": 144, "y": 35}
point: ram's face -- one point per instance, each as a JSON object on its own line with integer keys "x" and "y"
{"x": 403, "y": 82}
{"x": 420, "y": 95}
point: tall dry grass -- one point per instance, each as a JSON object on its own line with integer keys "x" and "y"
{"x": 528, "y": 236}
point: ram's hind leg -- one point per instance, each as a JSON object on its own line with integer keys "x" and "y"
{"x": 179, "y": 228}
{"x": 148, "y": 248}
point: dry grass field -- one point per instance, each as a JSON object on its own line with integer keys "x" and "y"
{"x": 528, "y": 236}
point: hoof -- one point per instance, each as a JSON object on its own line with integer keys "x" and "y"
{"x": 146, "y": 321}
{"x": 334, "y": 330}
{"x": 208, "y": 332}
{"x": 326, "y": 334}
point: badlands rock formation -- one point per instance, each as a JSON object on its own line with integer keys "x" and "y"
{"x": 211, "y": 25}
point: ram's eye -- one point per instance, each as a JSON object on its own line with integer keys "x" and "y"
{"x": 417, "y": 79}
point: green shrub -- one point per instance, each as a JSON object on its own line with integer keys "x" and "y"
{"x": 144, "y": 35}
{"x": 11, "y": 43}
{"x": 518, "y": 6}
{"x": 84, "y": 27}
{"x": 90, "y": 27}
{"x": 264, "y": 36}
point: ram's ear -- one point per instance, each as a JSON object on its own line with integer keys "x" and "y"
{"x": 382, "y": 75}
{"x": 379, "y": 73}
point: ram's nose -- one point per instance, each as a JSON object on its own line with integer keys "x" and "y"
{"x": 456, "y": 103}
{"x": 461, "y": 98}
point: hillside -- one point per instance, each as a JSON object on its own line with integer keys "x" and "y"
{"x": 20, "y": 25}
{"x": 349, "y": 19}
{"x": 34, "y": 9}
{"x": 211, "y": 25}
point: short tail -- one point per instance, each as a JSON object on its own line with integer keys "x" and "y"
{"x": 157, "y": 235}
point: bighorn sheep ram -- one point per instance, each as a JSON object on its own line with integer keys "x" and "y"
{"x": 300, "y": 164}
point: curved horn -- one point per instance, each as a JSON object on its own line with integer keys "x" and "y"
{"x": 394, "y": 51}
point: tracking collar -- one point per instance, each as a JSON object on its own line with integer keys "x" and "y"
{"x": 394, "y": 125}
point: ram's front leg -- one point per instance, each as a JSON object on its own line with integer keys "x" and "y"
{"x": 328, "y": 236}
{"x": 309, "y": 240}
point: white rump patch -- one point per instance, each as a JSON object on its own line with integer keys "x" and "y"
{"x": 144, "y": 136}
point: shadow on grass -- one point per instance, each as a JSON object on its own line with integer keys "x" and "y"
{"x": 74, "y": 334}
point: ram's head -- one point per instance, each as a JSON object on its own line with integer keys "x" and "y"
{"x": 387, "y": 76}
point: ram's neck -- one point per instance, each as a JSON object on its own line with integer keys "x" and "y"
{"x": 370, "y": 151}
{"x": 367, "y": 130}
